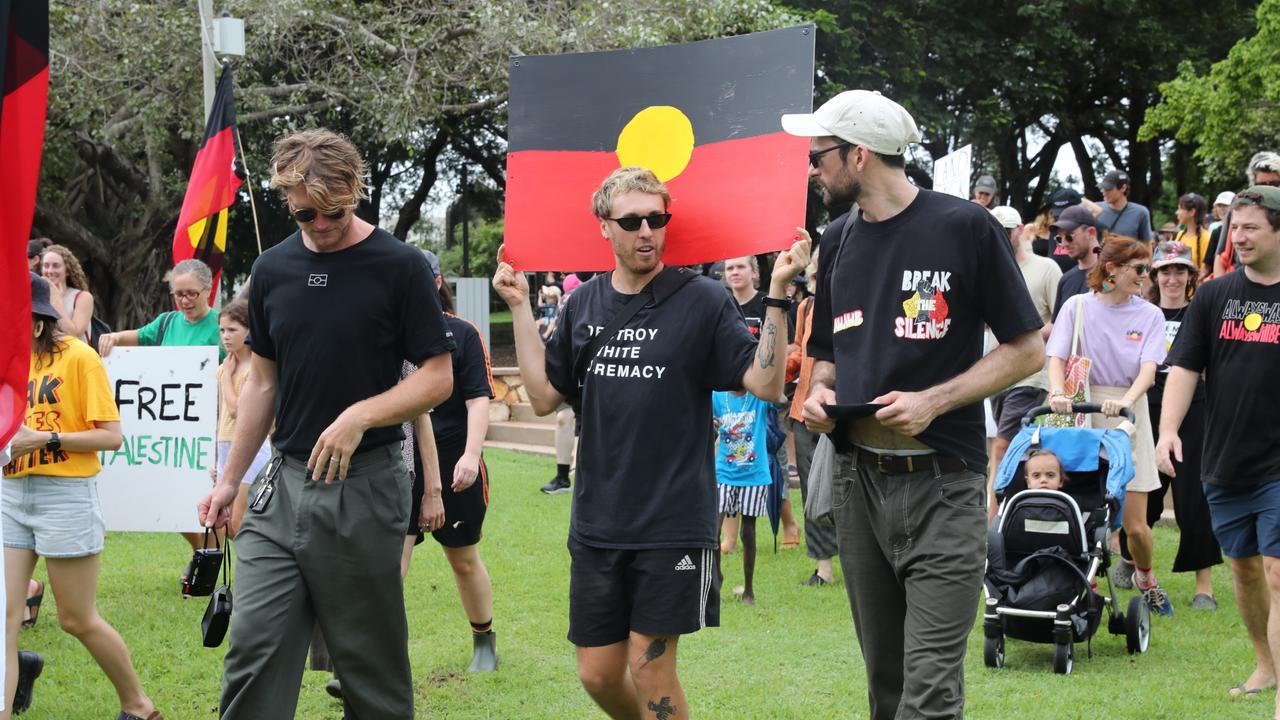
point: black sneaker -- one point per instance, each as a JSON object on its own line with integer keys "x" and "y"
{"x": 334, "y": 688}
{"x": 558, "y": 484}
{"x": 816, "y": 580}
{"x": 30, "y": 665}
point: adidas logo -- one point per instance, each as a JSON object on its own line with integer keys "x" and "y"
{"x": 686, "y": 564}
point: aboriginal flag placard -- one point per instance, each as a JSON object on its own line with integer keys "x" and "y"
{"x": 703, "y": 116}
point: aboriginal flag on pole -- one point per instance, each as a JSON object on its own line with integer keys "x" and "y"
{"x": 703, "y": 116}
{"x": 24, "y": 73}
{"x": 202, "y": 225}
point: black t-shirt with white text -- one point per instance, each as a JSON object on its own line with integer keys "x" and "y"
{"x": 338, "y": 325}
{"x": 646, "y": 470}
{"x": 472, "y": 378}
{"x": 902, "y": 305}
{"x": 1231, "y": 333}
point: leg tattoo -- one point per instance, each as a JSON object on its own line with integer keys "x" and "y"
{"x": 654, "y": 651}
{"x": 663, "y": 710}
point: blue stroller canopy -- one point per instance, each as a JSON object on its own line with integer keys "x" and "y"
{"x": 1079, "y": 449}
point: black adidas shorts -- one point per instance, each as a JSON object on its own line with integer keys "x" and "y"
{"x": 659, "y": 592}
{"x": 463, "y": 512}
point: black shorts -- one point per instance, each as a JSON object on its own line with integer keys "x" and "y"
{"x": 1009, "y": 406}
{"x": 659, "y": 592}
{"x": 463, "y": 512}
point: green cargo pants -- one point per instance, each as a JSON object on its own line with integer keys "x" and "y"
{"x": 326, "y": 553}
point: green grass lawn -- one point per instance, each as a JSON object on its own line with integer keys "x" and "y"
{"x": 793, "y": 655}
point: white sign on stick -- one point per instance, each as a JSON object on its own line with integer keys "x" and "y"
{"x": 168, "y": 401}
{"x": 951, "y": 173}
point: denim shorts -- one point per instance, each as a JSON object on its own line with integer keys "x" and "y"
{"x": 1246, "y": 520}
{"x": 57, "y": 517}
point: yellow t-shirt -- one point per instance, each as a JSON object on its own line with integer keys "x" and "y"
{"x": 1199, "y": 244}
{"x": 70, "y": 395}
{"x": 227, "y": 422}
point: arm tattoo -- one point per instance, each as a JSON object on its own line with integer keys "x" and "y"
{"x": 663, "y": 710}
{"x": 654, "y": 651}
{"x": 766, "y": 352}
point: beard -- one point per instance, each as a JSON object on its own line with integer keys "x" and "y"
{"x": 843, "y": 193}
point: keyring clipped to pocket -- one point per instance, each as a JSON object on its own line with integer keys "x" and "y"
{"x": 217, "y": 617}
{"x": 202, "y": 572}
{"x": 258, "y": 503}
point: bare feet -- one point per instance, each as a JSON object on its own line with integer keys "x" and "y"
{"x": 744, "y": 596}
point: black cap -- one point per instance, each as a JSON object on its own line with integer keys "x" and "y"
{"x": 34, "y": 248}
{"x": 1114, "y": 179}
{"x": 1061, "y": 200}
{"x": 40, "y": 298}
{"x": 1072, "y": 218}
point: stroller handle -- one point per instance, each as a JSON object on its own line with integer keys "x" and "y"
{"x": 1031, "y": 416}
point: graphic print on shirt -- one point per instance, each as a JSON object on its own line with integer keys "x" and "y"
{"x": 1171, "y": 328}
{"x": 605, "y": 363}
{"x": 43, "y": 392}
{"x": 1251, "y": 321}
{"x": 1134, "y": 335}
{"x": 925, "y": 313}
{"x": 736, "y": 439}
{"x": 844, "y": 321}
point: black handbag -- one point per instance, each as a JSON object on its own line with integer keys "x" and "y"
{"x": 217, "y": 616}
{"x": 201, "y": 576}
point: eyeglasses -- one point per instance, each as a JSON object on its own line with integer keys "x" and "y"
{"x": 815, "y": 156}
{"x": 186, "y": 294}
{"x": 307, "y": 215}
{"x": 1141, "y": 268}
{"x": 631, "y": 223}
{"x": 1272, "y": 183}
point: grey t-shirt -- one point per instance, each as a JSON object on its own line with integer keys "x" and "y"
{"x": 1133, "y": 221}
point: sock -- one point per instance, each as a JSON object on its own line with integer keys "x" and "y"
{"x": 562, "y": 470}
{"x": 1144, "y": 578}
{"x": 483, "y": 627}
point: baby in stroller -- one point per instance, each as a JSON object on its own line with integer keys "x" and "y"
{"x": 1048, "y": 544}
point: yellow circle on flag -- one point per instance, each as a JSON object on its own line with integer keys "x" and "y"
{"x": 660, "y": 138}
{"x": 1252, "y": 322}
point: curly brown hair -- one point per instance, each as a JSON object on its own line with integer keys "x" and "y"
{"x": 75, "y": 273}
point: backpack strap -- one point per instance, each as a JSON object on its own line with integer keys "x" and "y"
{"x": 165, "y": 320}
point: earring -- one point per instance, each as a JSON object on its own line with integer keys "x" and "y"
{"x": 1109, "y": 284}
{"x": 38, "y": 328}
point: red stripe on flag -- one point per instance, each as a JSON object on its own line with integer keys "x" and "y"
{"x": 22, "y": 118}
{"x": 738, "y": 197}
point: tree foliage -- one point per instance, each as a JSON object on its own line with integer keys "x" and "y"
{"x": 420, "y": 87}
{"x": 1230, "y": 112}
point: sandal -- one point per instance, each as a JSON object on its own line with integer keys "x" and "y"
{"x": 1241, "y": 692}
{"x": 790, "y": 541}
{"x": 33, "y": 606}
{"x": 155, "y": 715}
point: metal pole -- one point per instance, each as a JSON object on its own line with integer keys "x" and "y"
{"x": 206, "y": 48}
{"x": 466, "y": 242}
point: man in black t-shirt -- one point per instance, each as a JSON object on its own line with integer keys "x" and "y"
{"x": 898, "y": 323}
{"x": 1078, "y": 231}
{"x": 1231, "y": 333}
{"x": 333, "y": 310}
{"x": 642, "y": 532}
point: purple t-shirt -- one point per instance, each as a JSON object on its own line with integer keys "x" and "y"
{"x": 1117, "y": 338}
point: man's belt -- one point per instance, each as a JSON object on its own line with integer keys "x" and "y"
{"x": 902, "y": 464}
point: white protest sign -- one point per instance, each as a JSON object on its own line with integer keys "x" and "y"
{"x": 951, "y": 173}
{"x": 168, "y": 401}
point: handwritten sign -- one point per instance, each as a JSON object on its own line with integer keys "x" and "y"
{"x": 951, "y": 173}
{"x": 168, "y": 401}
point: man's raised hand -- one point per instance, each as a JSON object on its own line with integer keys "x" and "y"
{"x": 510, "y": 285}
{"x": 792, "y": 261}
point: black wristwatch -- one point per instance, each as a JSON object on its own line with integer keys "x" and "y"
{"x": 54, "y": 444}
{"x": 780, "y": 303}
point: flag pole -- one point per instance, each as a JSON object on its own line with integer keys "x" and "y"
{"x": 248, "y": 185}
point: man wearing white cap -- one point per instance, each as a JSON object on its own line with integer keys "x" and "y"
{"x": 901, "y": 304}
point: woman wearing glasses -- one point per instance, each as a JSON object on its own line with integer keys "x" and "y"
{"x": 193, "y": 323}
{"x": 1123, "y": 336}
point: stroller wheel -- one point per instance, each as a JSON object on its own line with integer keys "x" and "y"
{"x": 1116, "y": 624}
{"x": 1063, "y": 654}
{"x": 993, "y": 651}
{"x": 1137, "y": 626}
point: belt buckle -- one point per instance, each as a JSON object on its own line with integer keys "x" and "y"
{"x": 884, "y": 465}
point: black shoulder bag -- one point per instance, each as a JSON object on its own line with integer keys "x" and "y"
{"x": 660, "y": 288}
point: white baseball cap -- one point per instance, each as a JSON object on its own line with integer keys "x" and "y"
{"x": 1007, "y": 216}
{"x": 1226, "y": 197}
{"x": 861, "y": 117}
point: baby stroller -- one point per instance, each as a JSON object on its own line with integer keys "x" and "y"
{"x": 1046, "y": 548}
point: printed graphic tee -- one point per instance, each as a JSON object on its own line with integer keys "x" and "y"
{"x": 742, "y": 456}
{"x": 1117, "y": 338}
{"x": 902, "y": 305}
{"x": 1232, "y": 334}
{"x": 646, "y": 477}
{"x": 338, "y": 326}
{"x": 71, "y": 395}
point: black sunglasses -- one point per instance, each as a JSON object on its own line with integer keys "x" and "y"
{"x": 309, "y": 214}
{"x": 815, "y": 156}
{"x": 632, "y": 223}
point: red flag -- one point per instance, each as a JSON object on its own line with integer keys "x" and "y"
{"x": 202, "y": 225}
{"x": 24, "y": 73}
{"x": 703, "y": 116}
